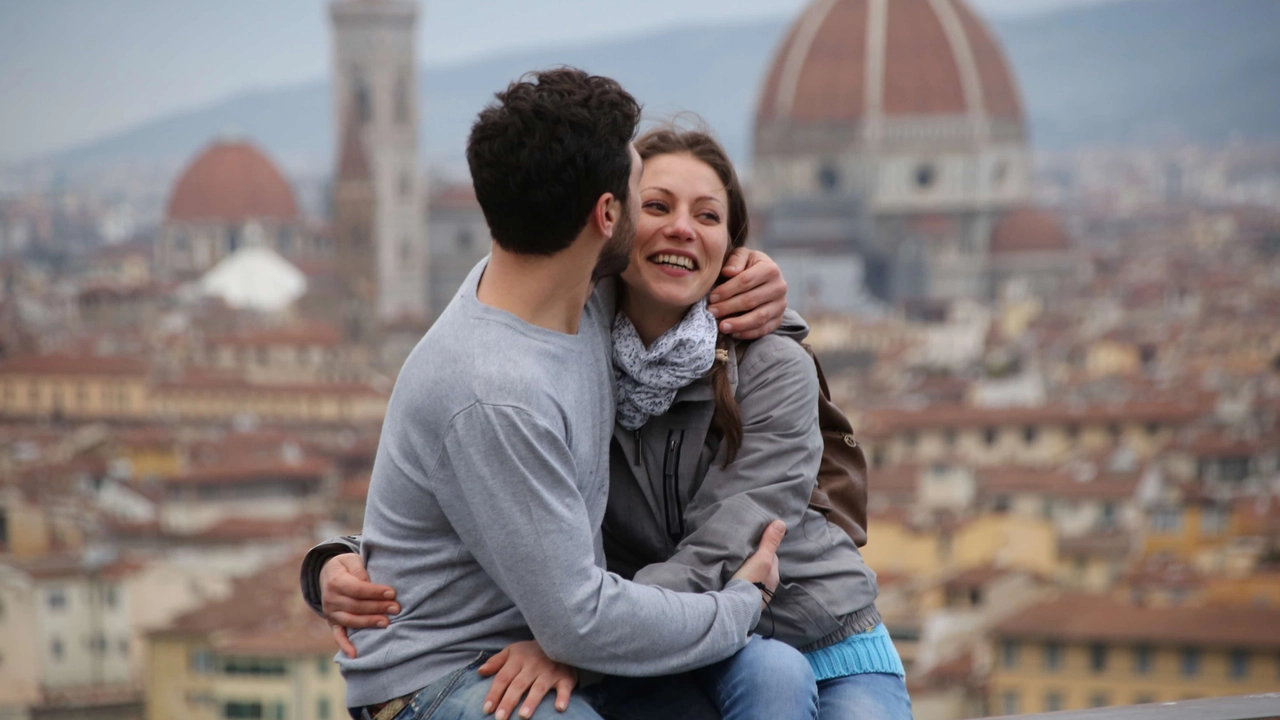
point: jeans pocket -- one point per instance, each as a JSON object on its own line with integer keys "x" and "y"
{"x": 425, "y": 704}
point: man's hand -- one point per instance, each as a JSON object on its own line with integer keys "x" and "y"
{"x": 751, "y": 302}
{"x": 524, "y": 667}
{"x": 762, "y": 566}
{"x": 350, "y": 600}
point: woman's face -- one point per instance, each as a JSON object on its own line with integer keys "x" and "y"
{"x": 682, "y": 234}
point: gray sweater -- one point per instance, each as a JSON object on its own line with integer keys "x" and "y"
{"x": 484, "y": 512}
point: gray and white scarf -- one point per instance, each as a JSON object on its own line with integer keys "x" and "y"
{"x": 647, "y": 378}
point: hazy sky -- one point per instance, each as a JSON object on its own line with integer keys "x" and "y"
{"x": 73, "y": 70}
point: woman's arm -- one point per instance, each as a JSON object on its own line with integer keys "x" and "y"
{"x": 772, "y": 477}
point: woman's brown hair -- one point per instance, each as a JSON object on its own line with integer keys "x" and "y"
{"x": 701, "y": 146}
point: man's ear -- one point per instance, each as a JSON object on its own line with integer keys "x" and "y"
{"x": 605, "y": 214}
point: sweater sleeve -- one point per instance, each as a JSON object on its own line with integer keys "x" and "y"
{"x": 314, "y": 562}
{"x": 508, "y": 484}
{"x": 772, "y": 477}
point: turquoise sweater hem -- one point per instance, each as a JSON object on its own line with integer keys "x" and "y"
{"x": 868, "y": 652}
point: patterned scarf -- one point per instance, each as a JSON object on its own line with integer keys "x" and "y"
{"x": 647, "y": 378}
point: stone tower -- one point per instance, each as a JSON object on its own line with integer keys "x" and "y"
{"x": 375, "y": 110}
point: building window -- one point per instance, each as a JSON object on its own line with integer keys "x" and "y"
{"x": 1052, "y": 701}
{"x": 201, "y": 661}
{"x": 254, "y": 666}
{"x": 1030, "y": 433}
{"x": 1144, "y": 699}
{"x": 828, "y": 178}
{"x": 1009, "y": 703}
{"x": 1143, "y": 659}
{"x": 1239, "y": 664}
{"x": 56, "y": 649}
{"x": 110, "y": 596}
{"x": 1190, "y": 662}
{"x": 910, "y": 438}
{"x": 1098, "y": 657}
{"x": 402, "y": 98}
{"x": 1052, "y": 656}
{"x": 1108, "y": 519}
{"x": 1002, "y": 503}
{"x": 363, "y": 103}
{"x": 991, "y": 435}
{"x": 264, "y": 355}
{"x": 926, "y": 176}
{"x": 56, "y": 599}
{"x": 1073, "y": 431}
{"x": 1213, "y": 522}
{"x": 322, "y": 709}
{"x": 242, "y": 711}
{"x": 1046, "y": 509}
{"x": 1099, "y": 699}
{"x": 406, "y": 186}
{"x": 950, "y": 436}
{"x": 1009, "y": 654}
{"x": 1166, "y": 520}
{"x": 1153, "y": 428}
{"x": 324, "y": 665}
{"x": 1114, "y": 431}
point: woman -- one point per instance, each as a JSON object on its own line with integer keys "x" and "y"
{"x": 712, "y": 442}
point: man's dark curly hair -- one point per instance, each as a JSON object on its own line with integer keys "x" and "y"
{"x": 544, "y": 153}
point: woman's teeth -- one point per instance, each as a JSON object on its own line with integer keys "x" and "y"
{"x": 679, "y": 261}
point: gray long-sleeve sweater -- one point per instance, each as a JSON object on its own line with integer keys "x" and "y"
{"x": 485, "y": 507}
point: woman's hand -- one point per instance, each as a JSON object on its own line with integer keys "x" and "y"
{"x": 522, "y": 667}
{"x": 350, "y": 600}
{"x": 751, "y": 302}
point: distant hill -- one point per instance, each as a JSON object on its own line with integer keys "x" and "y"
{"x": 1140, "y": 71}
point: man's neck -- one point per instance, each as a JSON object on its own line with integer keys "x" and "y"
{"x": 547, "y": 291}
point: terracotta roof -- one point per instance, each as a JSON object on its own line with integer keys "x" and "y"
{"x": 251, "y": 470}
{"x": 59, "y": 364}
{"x": 822, "y": 72}
{"x": 314, "y": 333}
{"x": 1105, "y": 544}
{"x": 1057, "y": 483}
{"x": 1029, "y": 230}
{"x": 356, "y": 488}
{"x": 1087, "y": 618}
{"x": 235, "y": 182}
{"x": 887, "y": 420}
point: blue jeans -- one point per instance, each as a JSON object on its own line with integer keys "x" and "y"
{"x": 769, "y": 679}
{"x": 765, "y": 679}
{"x": 460, "y": 696}
{"x": 869, "y": 696}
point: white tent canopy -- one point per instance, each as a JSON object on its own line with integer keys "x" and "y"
{"x": 255, "y": 278}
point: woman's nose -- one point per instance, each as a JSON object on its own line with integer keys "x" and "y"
{"x": 681, "y": 228}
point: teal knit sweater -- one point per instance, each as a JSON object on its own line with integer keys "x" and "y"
{"x": 868, "y": 652}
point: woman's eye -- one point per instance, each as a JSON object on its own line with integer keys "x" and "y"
{"x": 657, "y": 205}
{"x": 711, "y": 217}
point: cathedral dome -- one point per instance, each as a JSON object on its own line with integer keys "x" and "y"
{"x": 845, "y": 60}
{"x": 232, "y": 182}
{"x": 1029, "y": 230}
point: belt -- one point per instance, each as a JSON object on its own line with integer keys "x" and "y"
{"x": 391, "y": 708}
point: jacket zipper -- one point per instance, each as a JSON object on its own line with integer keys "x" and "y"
{"x": 671, "y": 486}
{"x": 639, "y": 461}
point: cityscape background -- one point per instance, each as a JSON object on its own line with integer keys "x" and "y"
{"x": 1038, "y": 242}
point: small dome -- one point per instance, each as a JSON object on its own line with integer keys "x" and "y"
{"x": 255, "y": 278}
{"x": 232, "y": 182}
{"x": 1029, "y": 230}
{"x": 936, "y": 57}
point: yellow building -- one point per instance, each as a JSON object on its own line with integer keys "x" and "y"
{"x": 1001, "y": 540}
{"x": 259, "y": 654}
{"x": 1042, "y": 436}
{"x": 123, "y": 389}
{"x": 1077, "y": 652}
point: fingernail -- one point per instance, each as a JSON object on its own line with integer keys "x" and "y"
{"x": 715, "y": 312}
{"x": 561, "y": 706}
{"x": 715, "y": 298}
{"x": 526, "y": 713}
{"x": 389, "y": 594}
{"x": 726, "y": 327}
{"x": 488, "y": 707}
{"x": 382, "y": 623}
{"x": 392, "y": 609}
{"x": 500, "y": 715}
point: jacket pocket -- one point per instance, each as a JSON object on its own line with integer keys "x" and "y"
{"x": 798, "y": 617}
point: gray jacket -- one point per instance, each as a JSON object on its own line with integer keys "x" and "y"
{"x": 678, "y": 519}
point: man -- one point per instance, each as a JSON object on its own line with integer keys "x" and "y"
{"x": 489, "y": 484}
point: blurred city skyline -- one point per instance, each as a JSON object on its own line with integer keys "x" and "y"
{"x": 72, "y": 72}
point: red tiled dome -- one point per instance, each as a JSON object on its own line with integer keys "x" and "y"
{"x": 939, "y": 58}
{"x": 1029, "y": 230}
{"x": 232, "y": 181}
